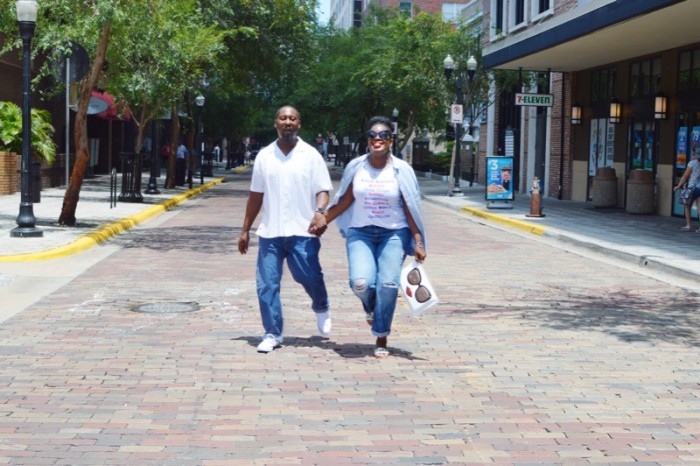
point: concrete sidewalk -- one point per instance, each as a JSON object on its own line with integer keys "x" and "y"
{"x": 649, "y": 243}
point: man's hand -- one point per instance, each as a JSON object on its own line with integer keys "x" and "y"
{"x": 318, "y": 224}
{"x": 243, "y": 242}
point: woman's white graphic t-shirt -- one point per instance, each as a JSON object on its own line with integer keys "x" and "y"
{"x": 377, "y": 198}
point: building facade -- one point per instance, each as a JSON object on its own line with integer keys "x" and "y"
{"x": 624, "y": 81}
{"x": 349, "y": 13}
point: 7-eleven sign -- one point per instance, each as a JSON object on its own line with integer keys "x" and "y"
{"x": 456, "y": 114}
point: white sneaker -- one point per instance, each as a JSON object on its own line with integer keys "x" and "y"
{"x": 269, "y": 343}
{"x": 323, "y": 321}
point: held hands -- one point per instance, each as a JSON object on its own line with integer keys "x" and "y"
{"x": 318, "y": 224}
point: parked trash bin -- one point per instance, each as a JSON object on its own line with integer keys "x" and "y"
{"x": 35, "y": 176}
{"x": 604, "y": 193}
{"x": 131, "y": 178}
{"x": 640, "y": 192}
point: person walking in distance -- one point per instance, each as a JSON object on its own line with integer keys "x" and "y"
{"x": 378, "y": 211}
{"x": 692, "y": 177}
{"x": 290, "y": 183}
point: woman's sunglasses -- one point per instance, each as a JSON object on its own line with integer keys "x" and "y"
{"x": 383, "y": 135}
{"x": 422, "y": 293}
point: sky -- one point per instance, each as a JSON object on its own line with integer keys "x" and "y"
{"x": 324, "y": 11}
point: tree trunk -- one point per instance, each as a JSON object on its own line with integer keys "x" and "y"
{"x": 80, "y": 136}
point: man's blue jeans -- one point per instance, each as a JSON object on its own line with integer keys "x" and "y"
{"x": 375, "y": 257}
{"x": 301, "y": 253}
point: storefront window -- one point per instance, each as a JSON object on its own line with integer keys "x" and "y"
{"x": 689, "y": 70}
{"x": 602, "y": 85}
{"x": 645, "y": 77}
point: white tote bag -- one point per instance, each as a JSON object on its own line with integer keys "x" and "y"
{"x": 416, "y": 288}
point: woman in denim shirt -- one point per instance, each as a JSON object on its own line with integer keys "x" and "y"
{"x": 378, "y": 211}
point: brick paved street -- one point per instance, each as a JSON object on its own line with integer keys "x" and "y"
{"x": 535, "y": 356}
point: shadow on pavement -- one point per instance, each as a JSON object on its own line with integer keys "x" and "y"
{"x": 345, "y": 350}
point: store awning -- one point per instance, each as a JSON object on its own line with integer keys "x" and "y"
{"x": 106, "y": 108}
{"x": 592, "y": 35}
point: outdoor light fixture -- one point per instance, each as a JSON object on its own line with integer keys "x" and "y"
{"x": 471, "y": 67}
{"x": 576, "y": 114}
{"x": 449, "y": 65}
{"x": 615, "y": 111}
{"x": 660, "y": 105}
{"x": 26, "y": 222}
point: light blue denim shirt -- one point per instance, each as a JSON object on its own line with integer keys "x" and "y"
{"x": 408, "y": 185}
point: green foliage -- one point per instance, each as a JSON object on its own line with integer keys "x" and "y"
{"x": 391, "y": 62}
{"x": 41, "y": 128}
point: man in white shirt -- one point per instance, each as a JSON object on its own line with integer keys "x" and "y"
{"x": 290, "y": 183}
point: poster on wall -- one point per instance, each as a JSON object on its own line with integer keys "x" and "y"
{"x": 602, "y": 145}
{"x": 610, "y": 145}
{"x": 593, "y": 157}
{"x": 682, "y": 143}
{"x": 499, "y": 171}
{"x": 694, "y": 141}
{"x": 649, "y": 151}
{"x": 637, "y": 149}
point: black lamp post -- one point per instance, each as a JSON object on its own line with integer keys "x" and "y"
{"x": 152, "y": 187}
{"x": 449, "y": 65}
{"x": 471, "y": 70}
{"x": 26, "y": 16}
{"x": 199, "y": 100}
{"x": 395, "y": 129}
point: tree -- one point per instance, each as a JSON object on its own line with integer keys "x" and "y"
{"x": 391, "y": 62}
{"x": 155, "y": 48}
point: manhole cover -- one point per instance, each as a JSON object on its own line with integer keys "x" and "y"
{"x": 165, "y": 308}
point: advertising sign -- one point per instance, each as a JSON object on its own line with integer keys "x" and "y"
{"x": 499, "y": 172}
{"x": 682, "y": 142}
{"x": 534, "y": 100}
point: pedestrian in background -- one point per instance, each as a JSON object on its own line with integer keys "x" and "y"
{"x": 378, "y": 212}
{"x": 290, "y": 183}
{"x": 181, "y": 164}
{"x": 691, "y": 176}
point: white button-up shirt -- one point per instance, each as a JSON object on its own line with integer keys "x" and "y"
{"x": 289, "y": 184}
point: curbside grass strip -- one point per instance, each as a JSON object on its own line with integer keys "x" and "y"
{"x": 509, "y": 222}
{"x": 110, "y": 230}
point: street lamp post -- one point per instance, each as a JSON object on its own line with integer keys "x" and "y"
{"x": 200, "y": 142}
{"x": 395, "y": 129}
{"x": 26, "y": 17}
{"x": 152, "y": 187}
{"x": 471, "y": 70}
{"x": 449, "y": 65}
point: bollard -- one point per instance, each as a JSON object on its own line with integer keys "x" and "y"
{"x": 535, "y": 200}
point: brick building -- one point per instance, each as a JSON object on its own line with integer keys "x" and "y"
{"x": 597, "y": 57}
{"x": 349, "y": 13}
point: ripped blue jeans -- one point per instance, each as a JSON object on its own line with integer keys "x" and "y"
{"x": 375, "y": 257}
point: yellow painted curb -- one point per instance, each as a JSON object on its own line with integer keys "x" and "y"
{"x": 110, "y": 230}
{"x": 509, "y": 222}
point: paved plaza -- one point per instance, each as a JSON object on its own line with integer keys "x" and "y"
{"x": 546, "y": 348}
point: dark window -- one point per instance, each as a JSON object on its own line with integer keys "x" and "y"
{"x": 602, "y": 85}
{"x": 543, "y": 6}
{"x": 645, "y": 77}
{"x": 405, "y": 8}
{"x": 499, "y": 17}
{"x": 519, "y": 11}
{"x": 689, "y": 70}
